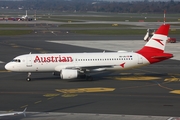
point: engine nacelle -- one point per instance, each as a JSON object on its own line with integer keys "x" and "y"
{"x": 68, "y": 74}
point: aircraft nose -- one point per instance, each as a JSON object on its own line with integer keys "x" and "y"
{"x": 8, "y": 67}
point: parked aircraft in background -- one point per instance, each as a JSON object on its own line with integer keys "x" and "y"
{"x": 26, "y": 17}
{"x": 150, "y": 33}
{"x": 14, "y": 113}
{"x": 23, "y": 18}
{"x": 70, "y": 65}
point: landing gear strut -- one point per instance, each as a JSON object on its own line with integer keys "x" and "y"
{"x": 29, "y": 77}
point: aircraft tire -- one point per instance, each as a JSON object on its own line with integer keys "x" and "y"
{"x": 28, "y": 79}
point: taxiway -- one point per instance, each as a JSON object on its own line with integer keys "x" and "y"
{"x": 149, "y": 91}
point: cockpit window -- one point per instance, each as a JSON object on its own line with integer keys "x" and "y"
{"x": 16, "y": 60}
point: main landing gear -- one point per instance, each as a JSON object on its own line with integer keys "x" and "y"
{"x": 29, "y": 77}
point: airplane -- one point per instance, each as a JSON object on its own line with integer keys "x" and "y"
{"x": 23, "y": 18}
{"x": 14, "y": 113}
{"x": 72, "y": 65}
{"x": 26, "y": 17}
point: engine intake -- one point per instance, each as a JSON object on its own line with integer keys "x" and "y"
{"x": 68, "y": 74}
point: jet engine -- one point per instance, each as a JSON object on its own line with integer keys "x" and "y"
{"x": 68, "y": 74}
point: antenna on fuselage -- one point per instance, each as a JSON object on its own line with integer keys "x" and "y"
{"x": 30, "y": 53}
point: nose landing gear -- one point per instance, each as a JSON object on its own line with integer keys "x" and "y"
{"x": 29, "y": 77}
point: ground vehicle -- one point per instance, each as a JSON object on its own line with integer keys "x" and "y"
{"x": 171, "y": 40}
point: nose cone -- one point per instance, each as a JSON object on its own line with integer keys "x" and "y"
{"x": 8, "y": 66}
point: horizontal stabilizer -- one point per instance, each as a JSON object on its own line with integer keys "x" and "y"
{"x": 163, "y": 56}
{"x": 159, "y": 57}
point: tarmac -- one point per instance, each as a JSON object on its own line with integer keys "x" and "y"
{"x": 148, "y": 93}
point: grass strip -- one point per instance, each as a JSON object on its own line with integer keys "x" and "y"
{"x": 12, "y": 25}
{"x": 120, "y": 32}
{"x": 14, "y": 32}
{"x": 95, "y": 25}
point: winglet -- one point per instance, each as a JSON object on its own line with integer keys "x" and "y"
{"x": 158, "y": 41}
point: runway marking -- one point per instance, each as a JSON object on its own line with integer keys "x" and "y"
{"x": 11, "y": 110}
{"x": 172, "y": 79}
{"x": 69, "y": 95}
{"x": 85, "y": 90}
{"x": 175, "y": 91}
{"x": 37, "y": 102}
{"x": 51, "y": 95}
{"x": 24, "y": 106}
{"x": 50, "y": 98}
{"x": 137, "y": 78}
{"x": 4, "y": 71}
{"x": 1, "y": 62}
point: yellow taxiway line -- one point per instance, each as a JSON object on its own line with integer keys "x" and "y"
{"x": 137, "y": 78}
{"x": 175, "y": 91}
{"x": 85, "y": 90}
{"x": 1, "y": 71}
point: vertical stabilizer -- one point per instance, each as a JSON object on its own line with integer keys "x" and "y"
{"x": 157, "y": 42}
{"x": 153, "y": 51}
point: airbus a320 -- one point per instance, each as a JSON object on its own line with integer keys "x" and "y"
{"x": 71, "y": 65}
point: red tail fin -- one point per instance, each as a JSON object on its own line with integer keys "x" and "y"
{"x": 154, "y": 48}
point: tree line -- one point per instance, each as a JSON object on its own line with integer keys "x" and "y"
{"x": 93, "y": 5}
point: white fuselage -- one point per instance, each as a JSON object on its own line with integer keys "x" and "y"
{"x": 59, "y": 61}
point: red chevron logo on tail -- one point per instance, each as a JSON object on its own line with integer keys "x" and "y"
{"x": 159, "y": 41}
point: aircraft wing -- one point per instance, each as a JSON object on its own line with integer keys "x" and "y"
{"x": 87, "y": 68}
{"x": 94, "y": 68}
{"x": 14, "y": 113}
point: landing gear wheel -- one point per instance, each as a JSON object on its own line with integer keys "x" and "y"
{"x": 28, "y": 79}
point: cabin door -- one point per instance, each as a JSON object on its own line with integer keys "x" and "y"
{"x": 28, "y": 61}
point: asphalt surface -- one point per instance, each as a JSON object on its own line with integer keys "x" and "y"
{"x": 143, "y": 91}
